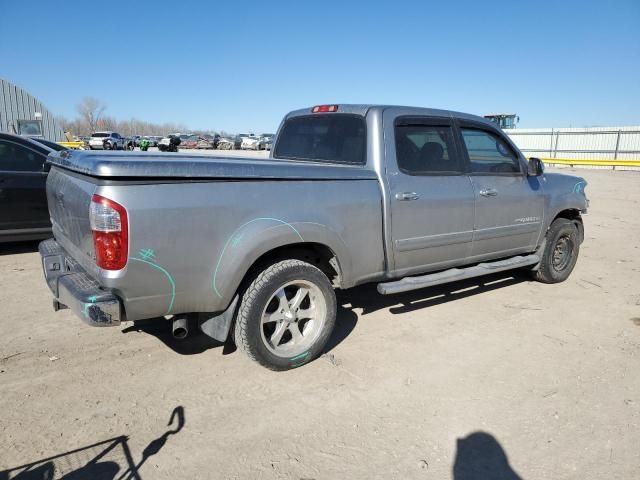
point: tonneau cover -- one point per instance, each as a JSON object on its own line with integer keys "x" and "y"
{"x": 178, "y": 165}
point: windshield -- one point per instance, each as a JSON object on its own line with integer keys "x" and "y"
{"x": 336, "y": 138}
{"x": 100, "y": 135}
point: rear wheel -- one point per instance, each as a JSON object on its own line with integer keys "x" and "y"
{"x": 286, "y": 316}
{"x": 560, "y": 253}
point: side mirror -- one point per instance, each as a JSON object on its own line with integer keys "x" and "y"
{"x": 536, "y": 167}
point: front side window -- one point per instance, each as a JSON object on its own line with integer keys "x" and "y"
{"x": 426, "y": 149}
{"x": 488, "y": 153}
{"x": 16, "y": 158}
{"x": 331, "y": 138}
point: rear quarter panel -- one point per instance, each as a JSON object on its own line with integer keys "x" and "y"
{"x": 190, "y": 244}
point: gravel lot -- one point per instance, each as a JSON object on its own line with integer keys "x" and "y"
{"x": 490, "y": 378}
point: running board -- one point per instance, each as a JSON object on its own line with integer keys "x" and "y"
{"x": 455, "y": 274}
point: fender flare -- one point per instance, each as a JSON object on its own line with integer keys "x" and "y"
{"x": 259, "y": 236}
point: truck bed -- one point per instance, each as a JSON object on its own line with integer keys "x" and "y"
{"x": 197, "y": 223}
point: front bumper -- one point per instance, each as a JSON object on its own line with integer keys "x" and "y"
{"x": 72, "y": 287}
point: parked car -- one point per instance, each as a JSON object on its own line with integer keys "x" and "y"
{"x": 404, "y": 197}
{"x": 169, "y": 143}
{"x": 153, "y": 140}
{"x": 106, "y": 141}
{"x": 237, "y": 142}
{"x": 266, "y": 141}
{"x": 189, "y": 141}
{"x": 129, "y": 143}
{"x": 208, "y": 141}
{"x": 225, "y": 144}
{"x": 23, "y": 201}
{"x": 250, "y": 143}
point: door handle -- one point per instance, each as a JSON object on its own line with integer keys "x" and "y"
{"x": 488, "y": 192}
{"x": 405, "y": 196}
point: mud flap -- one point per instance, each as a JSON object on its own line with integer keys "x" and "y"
{"x": 218, "y": 326}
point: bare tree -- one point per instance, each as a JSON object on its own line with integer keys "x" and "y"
{"x": 91, "y": 118}
{"x": 91, "y": 110}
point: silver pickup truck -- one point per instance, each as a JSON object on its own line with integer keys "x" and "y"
{"x": 252, "y": 249}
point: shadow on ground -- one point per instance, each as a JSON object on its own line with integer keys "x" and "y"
{"x": 479, "y": 456}
{"x": 364, "y": 297}
{"x": 367, "y": 298}
{"x": 14, "y": 248}
{"x": 109, "y": 459}
{"x": 197, "y": 342}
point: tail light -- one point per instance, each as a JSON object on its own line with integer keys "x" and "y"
{"x": 110, "y": 229}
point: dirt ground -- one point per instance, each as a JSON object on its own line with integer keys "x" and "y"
{"x": 493, "y": 378}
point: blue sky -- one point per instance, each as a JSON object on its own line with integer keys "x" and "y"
{"x": 240, "y": 66}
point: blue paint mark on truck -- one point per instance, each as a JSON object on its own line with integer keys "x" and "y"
{"x": 236, "y": 238}
{"x": 153, "y": 264}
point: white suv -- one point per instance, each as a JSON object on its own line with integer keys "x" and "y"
{"x": 106, "y": 141}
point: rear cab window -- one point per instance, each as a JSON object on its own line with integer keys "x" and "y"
{"x": 331, "y": 138}
{"x": 426, "y": 147}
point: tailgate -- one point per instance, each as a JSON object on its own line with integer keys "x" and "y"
{"x": 69, "y": 196}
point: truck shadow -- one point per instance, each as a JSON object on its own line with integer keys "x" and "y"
{"x": 197, "y": 342}
{"x": 364, "y": 297}
{"x": 367, "y": 298}
{"x": 105, "y": 460}
{"x": 14, "y": 248}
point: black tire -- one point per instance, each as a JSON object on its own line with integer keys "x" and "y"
{"x": 560, "y": 252}
{"x": 248, "y": 331}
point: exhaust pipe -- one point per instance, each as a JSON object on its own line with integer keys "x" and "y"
{"x": 180, "y": 328}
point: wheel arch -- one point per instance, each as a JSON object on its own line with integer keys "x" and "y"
{"x": 573, "y": 215}
{"x": 317, "y": 254}
{"x": 251, "y": 249}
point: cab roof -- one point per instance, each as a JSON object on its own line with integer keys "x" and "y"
{"x": 364, "y": 108}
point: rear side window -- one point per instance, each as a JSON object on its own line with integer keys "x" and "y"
{"x": 334, "y": 138}
{"x": 488, "y": 153}
{"x": 426, "y": 149}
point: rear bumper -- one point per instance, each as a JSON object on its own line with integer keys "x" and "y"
{"x": 72, "y": 287}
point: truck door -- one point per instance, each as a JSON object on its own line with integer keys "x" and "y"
{"x": 430, "y": 194}
{"x": 509, "y": 204}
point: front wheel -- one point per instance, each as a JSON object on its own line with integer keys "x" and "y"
{"x": 286, "y": 316}
{"x": 560, "y": 253}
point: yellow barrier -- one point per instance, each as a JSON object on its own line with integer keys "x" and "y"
{"x": 600, "y": 163}
{"x": 73, "y": 145}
